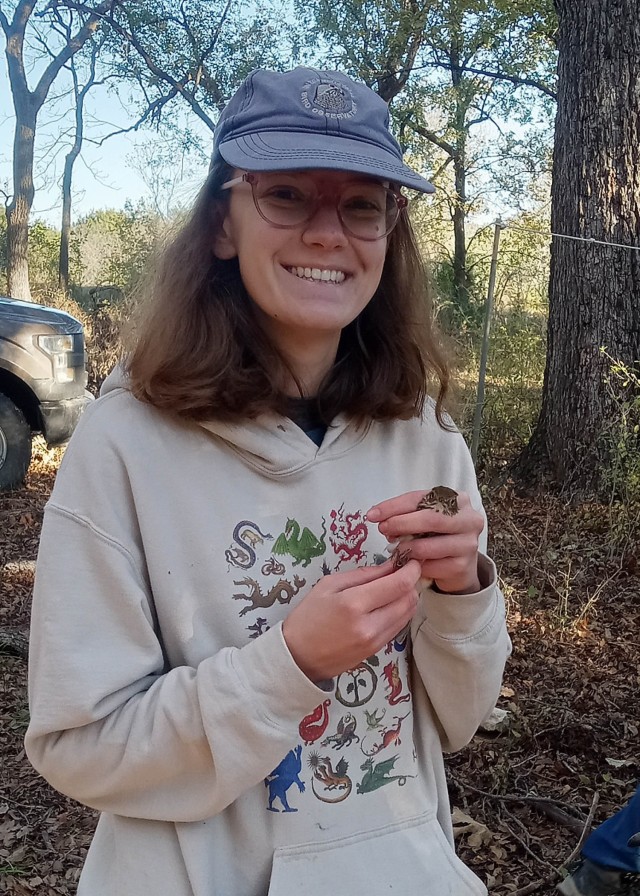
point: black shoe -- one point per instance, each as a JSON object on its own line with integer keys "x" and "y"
{"x": 590, "y": 879}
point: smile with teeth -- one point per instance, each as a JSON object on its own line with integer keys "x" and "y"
{"x": 317, "y": 274}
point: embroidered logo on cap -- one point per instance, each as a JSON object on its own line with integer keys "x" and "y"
{"x": 328, "y": 98}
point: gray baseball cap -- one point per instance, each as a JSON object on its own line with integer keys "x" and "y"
{"x": 305, "y": 118}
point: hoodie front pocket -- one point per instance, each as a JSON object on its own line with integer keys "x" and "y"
{"x": 410, "y": 857}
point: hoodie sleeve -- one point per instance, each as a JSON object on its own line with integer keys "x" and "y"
{"x": 460, "y": 642}
{"x": 111, "y": 725}
{"x": 460, "y": 646}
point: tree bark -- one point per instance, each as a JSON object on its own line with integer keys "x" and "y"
{"x": 19, "y": 208}
{"x": 70, "y": 158}
{"x": 65, "y": 224}
{"x": 594, "y": 290}
{"x": 461, "y": 280}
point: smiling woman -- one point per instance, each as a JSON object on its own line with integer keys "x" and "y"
{"x": 301, "y": 226}
{"x": 225, "y": 660}
{"x": 238, "y": 368}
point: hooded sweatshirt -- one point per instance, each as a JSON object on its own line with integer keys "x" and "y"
{"x": 163, "y": 693}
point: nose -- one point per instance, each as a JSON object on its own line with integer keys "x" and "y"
{"x": 325, "y": 227}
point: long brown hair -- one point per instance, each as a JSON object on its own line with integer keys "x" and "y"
{"x": 200, "y": 353}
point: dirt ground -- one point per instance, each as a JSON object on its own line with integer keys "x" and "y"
{"x": 564, "y": 758}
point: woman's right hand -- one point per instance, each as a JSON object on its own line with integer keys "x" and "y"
{"x": 349, "y": 616}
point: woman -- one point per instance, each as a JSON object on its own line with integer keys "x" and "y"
{"x": 225, "y": 662}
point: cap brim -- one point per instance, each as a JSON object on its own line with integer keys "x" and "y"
{"x": 293, "y": 151}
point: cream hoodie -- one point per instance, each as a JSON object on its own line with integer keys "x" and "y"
{"x": 162, "y": 691}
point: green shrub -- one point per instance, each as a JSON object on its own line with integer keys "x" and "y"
{"x": 621, "y": 449}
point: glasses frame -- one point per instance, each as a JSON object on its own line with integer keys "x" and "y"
{"x": 252, "y": 178}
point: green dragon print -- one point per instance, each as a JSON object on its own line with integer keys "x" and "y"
{"x": 302, "y": 546}
{"x": 379, "y": 774}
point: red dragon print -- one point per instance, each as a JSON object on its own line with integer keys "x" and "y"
{"x": 347, "y": 534}
{"x": 315, "y": 724}
{"x": 389, "y": 736}
{"x": 394, "y": 683}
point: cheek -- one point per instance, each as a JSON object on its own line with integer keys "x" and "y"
{"x": 376, "y": 265}
{"x": 259, "y": 287}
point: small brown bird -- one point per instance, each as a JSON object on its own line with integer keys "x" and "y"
{"x": 442, "y": 499}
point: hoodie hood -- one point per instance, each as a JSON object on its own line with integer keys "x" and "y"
{"x": 270, "y": 443}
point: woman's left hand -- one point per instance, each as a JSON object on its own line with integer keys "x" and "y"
{"x": 449, "y": 555}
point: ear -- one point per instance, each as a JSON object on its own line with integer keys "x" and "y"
{"x": 224, "y": 246}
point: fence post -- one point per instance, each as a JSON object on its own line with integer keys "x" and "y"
{"x": 484, "y": 351}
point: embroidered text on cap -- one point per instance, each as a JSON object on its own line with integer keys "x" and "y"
{"x": 328, "y": 98}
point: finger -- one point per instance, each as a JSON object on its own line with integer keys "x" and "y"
{"x": 422, "y": 522}
{"x": 390, "y": 588}
{"x": 392, "y": 618}
{"x": 442, "y": 547}
{"x": 405, "y": 503}
{"x": 341, "y": 581}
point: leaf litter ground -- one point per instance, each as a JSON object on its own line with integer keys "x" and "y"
{"x": 564, "y": 757}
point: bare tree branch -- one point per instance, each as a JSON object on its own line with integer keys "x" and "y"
{"x": 152, "y": 111}
{"x": 502, "y": 76}
{"x": 178, "y": 85}
{"x": 76, "y": 42}
{"x": 432, "y": 137}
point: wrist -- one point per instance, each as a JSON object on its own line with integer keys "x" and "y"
{"x": 471, "y": 583}
{"x": 444, "y": 588}
{"x": 297, "y": 656}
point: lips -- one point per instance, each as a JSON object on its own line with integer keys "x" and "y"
{"x": 318, "y": 275}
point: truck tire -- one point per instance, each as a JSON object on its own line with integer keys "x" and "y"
{"x": 15, "y": 444}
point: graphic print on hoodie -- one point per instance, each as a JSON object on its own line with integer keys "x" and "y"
{"x": 352, "y": 742}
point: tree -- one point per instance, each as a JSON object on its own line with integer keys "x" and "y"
{"x": 3, "y": 251}
{"x": 79, "y": 94}
{"x": 27, "y": 105}
{"x": 162, "y": 164}
{"x": 594, "y": 290}
{"x": 451, "y": 69}
{"x": 195, "y": 50}
{"x": 110, "y": 247}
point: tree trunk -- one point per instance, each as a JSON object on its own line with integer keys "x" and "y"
{"x": 461, "y": 281}
{"x": 70, "y": 158}
{"x": 65, "y": 227}
{"x": 19, "y": 209}
{"x": 594, "y": 290}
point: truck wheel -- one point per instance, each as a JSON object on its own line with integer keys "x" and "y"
{"x": 15, "y": 444}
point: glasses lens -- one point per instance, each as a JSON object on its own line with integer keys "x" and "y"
{"x": 368, "y": 211}
{"x": 283, "y": 201}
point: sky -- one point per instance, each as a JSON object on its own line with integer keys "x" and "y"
{"x": 104, "y": 176}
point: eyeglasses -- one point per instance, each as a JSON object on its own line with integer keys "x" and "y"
{"x": 367, "y": 210}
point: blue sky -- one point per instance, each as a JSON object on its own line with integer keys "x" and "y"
{"x": 104, "y": 176}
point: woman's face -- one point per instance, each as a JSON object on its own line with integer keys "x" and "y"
{"x": 310, "y": 281}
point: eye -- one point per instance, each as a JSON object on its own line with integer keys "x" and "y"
{"x": 283, "y": 195}
{"x": 365, "y": 203}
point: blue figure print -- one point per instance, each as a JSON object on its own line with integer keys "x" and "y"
{"x": 282, "y": 777}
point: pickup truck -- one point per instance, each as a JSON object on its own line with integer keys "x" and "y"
{"x": 43, "y": 379}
